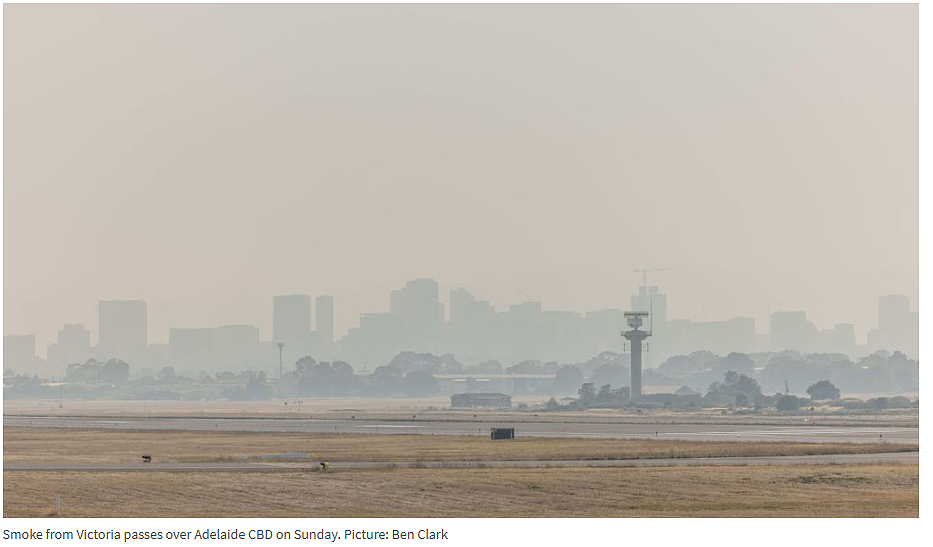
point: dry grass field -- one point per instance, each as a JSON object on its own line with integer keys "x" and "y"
{"x": 113, "y": 446}
{"x": 767, "y": 491}
{"x": 435, "y": 408}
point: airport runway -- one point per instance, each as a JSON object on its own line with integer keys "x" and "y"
{"x": 257, "y": 467}
{"x": 422, "y": 426}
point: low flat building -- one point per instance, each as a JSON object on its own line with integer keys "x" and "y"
{"x": 481, "y": 400}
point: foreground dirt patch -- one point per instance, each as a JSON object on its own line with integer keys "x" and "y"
{"x": 115, "y": 446}
{"x": 771, "y": 491}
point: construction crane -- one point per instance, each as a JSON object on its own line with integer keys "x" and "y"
{"x": 644, "y": 273}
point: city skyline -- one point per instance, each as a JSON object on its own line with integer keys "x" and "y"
{"x": 305, "y": 325}
{"x": 225, "y": 154}
{"x": 347, "y": 318}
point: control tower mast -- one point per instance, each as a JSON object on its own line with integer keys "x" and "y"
{"x": 635, "y": 336}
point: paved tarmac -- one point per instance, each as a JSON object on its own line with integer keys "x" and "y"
{"x": 248, "y": 467}
{"x": 423, "y": 426}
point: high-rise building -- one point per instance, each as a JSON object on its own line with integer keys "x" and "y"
{"x": 892, "y": 312}
{"x": 73, "y": 345}
{"x": 650, "y": 299}
{"x": 417, "y": 304}
{"x": 898, "y": 327}
{"x": 291, "y": 321}
{"x": 843, "y": 338}
{"x": 398, "y": 303}
{"x": 740, "y": 334}
{"x": 324, "y": 319}
{"x": 123, "y": 327}
{"x": 422, "y": 306}
{"x": 237, "y": 347}
{"x": 791, "y": 330}
{"x": 460, "y": 300}
{"x": 529, "y": 309}
{"x": 191, "y": 349}
{"x": 603, "y": 328}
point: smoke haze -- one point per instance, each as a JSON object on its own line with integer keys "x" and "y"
{"x": 206, "y": 157}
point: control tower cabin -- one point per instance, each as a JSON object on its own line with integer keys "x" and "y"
{"x": 635, "y": 336}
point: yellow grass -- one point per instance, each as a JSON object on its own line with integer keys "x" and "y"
{"x": 434, "y": 408}
{"x": 767, "y": 491}
{"x": 99, "y": 445}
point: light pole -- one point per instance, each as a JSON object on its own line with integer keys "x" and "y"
{"x": 281, "y": 346}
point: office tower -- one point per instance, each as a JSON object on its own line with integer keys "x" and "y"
{"x": 191, "y": 349}
{"x": 398, "y": 303}
{"x": 417, "y": 303}
{"x": 73, "y": 345}
{"x": 843, "y": 338}
{"x": 123, "y": 327}
{"x": 423, "y": 305}
{"x": 291, "y": 321}
{"x": 893, "y": 310}
{"x": 237, "y": 347}
{"x": 324, "y": 319}
{"x": 650, "y": 299}
{"x": 898, "y": 327}
{"x": 460, "y": 300}
{"x": 791, "y": 330}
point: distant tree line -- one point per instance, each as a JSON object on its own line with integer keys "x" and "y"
{"x": 703, "y": 378}
{"x": 879, "y": 372}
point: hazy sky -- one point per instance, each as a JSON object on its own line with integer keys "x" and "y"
{"x": 204, "y": 158}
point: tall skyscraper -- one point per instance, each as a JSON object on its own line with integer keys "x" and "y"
{"x": 291, "y": 319}
{"x": 898, "y": 327}
{"x": 237, "y": 347}
{"x": 417, "y": 303}
{"x": 893, "y": 310}
{"x": 460, "y": 300}
{"x": 791, "y": 330}
{"x": 73, "y": 345}
{"x": 324, "y": 319}
{"x": 123, "y": 326}
{"x": 191, "y": 349}
{"x": 398, "y": 303}
{"x": 843, "y": 338}
{"x": 650, "y": 299}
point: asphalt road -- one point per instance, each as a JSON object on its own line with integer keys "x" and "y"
{"x": 248, "y": 467}
{"x": 420, "y": 426}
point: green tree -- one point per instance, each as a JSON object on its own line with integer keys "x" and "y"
{"x": 166, "y": 374}
{"x": 788, "y": 402}
{"x": 587, "y": 392}
{"x": 420, "y": 383}
{"x": 823, "y": 390}
{"x": 385, "y": 381}
{"x": 567, "y": 379}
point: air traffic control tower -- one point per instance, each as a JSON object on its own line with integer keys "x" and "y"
{"x": 635, "y": 336}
